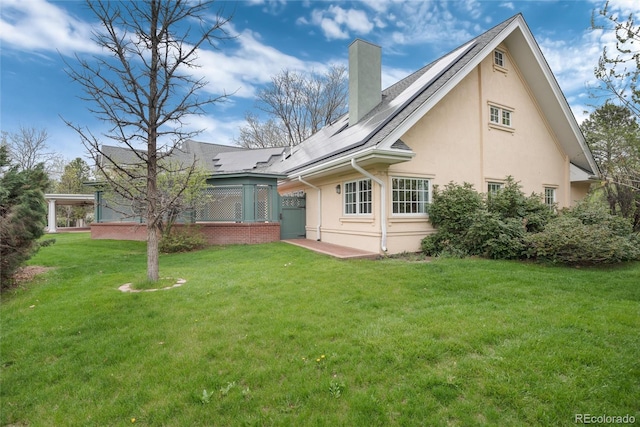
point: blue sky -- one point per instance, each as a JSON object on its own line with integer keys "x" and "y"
{"x": 36, "y": 37}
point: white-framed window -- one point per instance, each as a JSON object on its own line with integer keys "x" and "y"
{"x": 550, "y": 196}
{"x": 410, "y": 195}
{"x": 506, "y": 118}
{"x": 494, "y": 113}
{"x": 498, "y": 58}
{"x": 500, "y": 116}
{"x": 357, "y": 197}
{"x": 494, "y": 187}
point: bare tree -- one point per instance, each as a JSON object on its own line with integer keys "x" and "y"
{"x": 257, "y": 134}
{"x": 619, "y": 71}
{"x": 28, "y": 147}
{"x": 144, "y": 88}
{"x": 612, "y": 130}
{"x": 297, "y": 106}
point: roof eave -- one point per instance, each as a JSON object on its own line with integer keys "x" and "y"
{"x": 369, "y": 156}
{"x": 241, "y": 174}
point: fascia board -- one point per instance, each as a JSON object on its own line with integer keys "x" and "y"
{"x": 394, "y": 156}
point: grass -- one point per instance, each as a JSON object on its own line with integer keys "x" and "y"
{"x": 277, "y": 335}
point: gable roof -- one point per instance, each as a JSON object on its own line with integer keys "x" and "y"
{"x": 378, "y": 133}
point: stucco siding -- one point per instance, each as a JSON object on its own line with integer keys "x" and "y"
{"x": 530, "y": 152}
{"x": 579, "y": 191}
{"x": 455, "y": 141}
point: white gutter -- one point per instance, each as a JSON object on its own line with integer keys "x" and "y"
{"x": 401, "y": 156}
{"x": 383, "y": 202}
{"x": 319, "y": 205}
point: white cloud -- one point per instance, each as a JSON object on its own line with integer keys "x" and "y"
{"x": 472, "y": 7}
{"x": 252, "y": 63}
{"x": 338, "y": 23}
{"x": 625, "y": 7}
{"x": 572, "y": 62}
{"x": 215, "y": 130}
{"x": 508, "y": 5}
{"x": 425, "y": 23}
{"x": 41, "y": 26}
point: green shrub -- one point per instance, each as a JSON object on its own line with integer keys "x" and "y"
{"x": 510, "y": 225}
{"x": 598, "y": 213}
{"x": 443, "y": 243}
{"x": 585, "y": 235}
{"x": 452, "y": 210}
{"x": 494, "y": 227}
{"x": 493, "y": 237}
{"x": 510, "y": 202}
{"x": 182, "y": 239}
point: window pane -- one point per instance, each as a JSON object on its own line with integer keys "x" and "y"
{"x": 357, "y": 197}
{"x": 506, "y": 118}
{"x": 550, "y": 196}
{"x": 365, "y": 196}
{"x": 350, "y": 198}
{"x": 495, "y": 115}
{"x": 493, "y": 187}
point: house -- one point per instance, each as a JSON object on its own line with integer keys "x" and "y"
{"x": 242, "y": 201}
{"x": 487, "y": 110}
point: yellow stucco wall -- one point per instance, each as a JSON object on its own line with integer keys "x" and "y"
{"x": 455, "y": 141}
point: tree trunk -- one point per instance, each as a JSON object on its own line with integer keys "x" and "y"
{"x": 153, "y": 273}
{"x": 153, "y": 222}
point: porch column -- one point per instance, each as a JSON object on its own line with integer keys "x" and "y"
{"x": 52, "y": 216}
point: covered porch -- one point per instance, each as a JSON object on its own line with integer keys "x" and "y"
{"x": 53, "y": 200}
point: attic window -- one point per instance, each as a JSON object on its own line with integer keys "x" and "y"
{"x": 499, "y": 63}
{"x": 501, "y": 117}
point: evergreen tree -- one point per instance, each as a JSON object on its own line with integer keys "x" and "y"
{"x": 23, "y": 214}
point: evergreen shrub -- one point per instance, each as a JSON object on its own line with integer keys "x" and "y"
{"x": 23, "y": 215}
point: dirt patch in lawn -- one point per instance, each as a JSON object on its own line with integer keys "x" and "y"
{"x": 29, "y": 272}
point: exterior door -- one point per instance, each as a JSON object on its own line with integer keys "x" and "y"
{"x": 293, "y": 217}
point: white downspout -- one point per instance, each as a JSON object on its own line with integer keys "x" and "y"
{"x": 383, "y": 202}
{"x": 319, "y": 205}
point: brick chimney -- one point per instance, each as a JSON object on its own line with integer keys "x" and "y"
{"x": 365, "y": 79}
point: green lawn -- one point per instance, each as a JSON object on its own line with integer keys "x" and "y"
{"x": 278, "y": 335}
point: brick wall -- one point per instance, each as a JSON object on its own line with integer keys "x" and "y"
{"x": 216, "y": 233}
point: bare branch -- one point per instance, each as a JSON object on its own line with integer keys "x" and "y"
{"x": 297, "y": 106}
